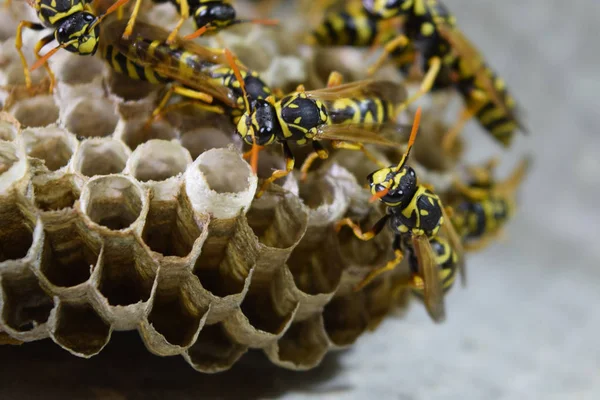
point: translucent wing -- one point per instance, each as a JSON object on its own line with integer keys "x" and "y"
{"x": 433, "y": 295}
{"x": 390, "y": 91}
{"x": 476, "y": 64}
{"x": 190, "y": 70}
{"x": 508, "y": 187}
{"x": 456, "y": 244}
{"x": 361, "y": 133}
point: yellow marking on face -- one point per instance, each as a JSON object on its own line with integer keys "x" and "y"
{"x": 87, "y": 46}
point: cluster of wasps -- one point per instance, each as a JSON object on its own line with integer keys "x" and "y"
{"x": 415, "y": 35}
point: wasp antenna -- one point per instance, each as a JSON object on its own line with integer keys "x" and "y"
{"x": 238, "y": 75}
{"x": 269, "y": 22}
{"x": 197, "y": 33}
{"x": 413, "y": 136}
{"x": 109, "y": 11}
{"x": 43, "y": 59}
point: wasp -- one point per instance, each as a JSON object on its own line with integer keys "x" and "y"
{"x": 431, "y": 40}
{"x": 193, "y": 71}
{"x": 483, "y": 205}
{"x": 417, "y": 217}
{"x": 349, "y": 115}
{"x": 76, "y": 29}
{"x": 210, "y": 16}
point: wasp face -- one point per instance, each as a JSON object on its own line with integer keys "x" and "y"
{"x": 217, "y": 14}
{"x": 261, "y": 121}
{"x": 385, "y": 8}
{"x": 402, "y": 185}
{"x": 76, "y": 31}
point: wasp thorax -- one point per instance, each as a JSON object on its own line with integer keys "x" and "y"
{"x": 402, "y": 184}
{"x": 215, "y": 13}
{"x": 76, "y": 32}
{"x": 261, "y": 122}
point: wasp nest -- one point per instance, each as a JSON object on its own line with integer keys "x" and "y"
{"x": 107, "y": 224}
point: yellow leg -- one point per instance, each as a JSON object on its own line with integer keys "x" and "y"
{"x": 400, "y": 41}
{"x": 38, "y": 47}
{"x": 320, "y": 152}
{"x": 434, "y": 69}
{"x": 359, "y": 147}
{"x": 248, "y": 153}
{"x": 19, "y": 47}
{"x": 368, "y": 235}
{"x": 289, "y": 167}
{"x": 174, "y": 89}
{"x": 184, "y": 14}
{"x": 390, "y": 266}
{"x": 129, "y": 28}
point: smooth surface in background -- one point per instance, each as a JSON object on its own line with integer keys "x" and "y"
{"x": 526, "y": 327}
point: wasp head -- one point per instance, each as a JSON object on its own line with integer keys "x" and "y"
{"x": 216, "y": 14}
{"x": 77, "y": 37}
{"x": 261, "y": 122}
{"x": 386, "y": 8}
{"x": 400, "y": 183}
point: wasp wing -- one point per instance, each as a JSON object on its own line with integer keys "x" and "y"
{"x": 390, "y": 91}
{"x": 433, "y": 295}
{"x": 456, "y": 244}
{"x": 184, "y": 62}
{"x": 361, "y": 133}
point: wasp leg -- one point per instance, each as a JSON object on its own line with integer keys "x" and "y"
{"x": 389, "y": 266}
{"x": 184, "y": 14}
{"x": 19, "y": 46}
{"x": 430, "y": 77}
{"x": 189, "y": 103}
{"x": 335, "y": 79}
{"x": 185, "y": 92}
{"x": 400, "y": 41}
{"x": 359, "y": 147}
{"x": 368, "y": 235}
{"x": 289, "y": 167}
{"x": 248, "y": 153}
{"x": 129, "y": 28}
{"x": 320, "y": 152}
{"x": 38, "y": 47}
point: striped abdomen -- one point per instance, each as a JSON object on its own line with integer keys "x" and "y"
{"x": 347, "y": 28}
{"x": 125, "y": 66}
{"x": 477, "y": 219}
{"x": 445, "y": 258}
{"x": 360, "y": 111}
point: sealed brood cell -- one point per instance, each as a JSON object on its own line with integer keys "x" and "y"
{"x": 100, "y": 156}
{"x": 79, "y": 329}
{"x": 214, "y": 350}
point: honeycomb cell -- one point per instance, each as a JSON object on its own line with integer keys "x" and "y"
{"x": 214, "y": 351}
{"x": 264, "y": 314}
{"x": 158, "y": 160}
{"x": 10, "y": 159}
{"x": 68, "y": 256}
{"x": 52, "y": 145}
{"x": 134, "y": 133}
{"x": 171, "y": 228}
{"x": 7, "y": 131}
{"x": 302, "y": 347}
{"x": 101, "y": 156}
{"x": 92, "y": 117}
{"x": 25, "y": 305}
{"x": 37, "y": 111}
{"x": 345, "y": 319}
{"x": 16, "y": 231}
{"x": 114, "y": 202}
{"x": 199, "y": 140}
{"x": 56, "y": 194}
{"x": 73, "y": 69}
{"x": 80, "y": 330}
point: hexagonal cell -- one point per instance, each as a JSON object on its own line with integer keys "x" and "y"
{"x": 101, "y": 157}
{"x": 126, "y": 276}
{"x": 345, "y": 319}
{"x": 171, "y": 228}
{"x": 303, "y": 345}
{"x": 214, "y": 165}
{"x": 92, "y": 117}
{"x": 37, "y": 111}
{"x": 16, "y": 232}
{"x": 280, "y": 225}
{"x": 214, "y": 351}
{"x": 136, "y": 133}
{"x": 52, "y": 145}
{"x": 199, "y": 140}
{"x": 67, "y": 258}
{"x": 158, "y": 160}
{"x": 25, "y": 304}
{"x": 129, "y": 89}
{"x": 263, "y": 313}
{"x": 174, "y": 317}
{"x": 55, "y": 194}
{"x": 80, "y": 329}
{"x": 74, "y": 69}
{"x": 114, "y": 202}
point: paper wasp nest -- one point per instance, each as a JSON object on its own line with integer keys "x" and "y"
{"x": 107, "y": 225}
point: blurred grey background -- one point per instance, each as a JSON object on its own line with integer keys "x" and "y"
{"x": 527, "y": 326}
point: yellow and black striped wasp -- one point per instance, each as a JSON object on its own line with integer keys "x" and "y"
{"x": 349, "y": 115}
{"x": 195, "y": 72}
{"x": 422, "y": 229}
{"x": 75, "y": 27}
{"x": 431, "y": 39}
{"x": 210, "y": 16}
{"x": 483, "y": 206}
